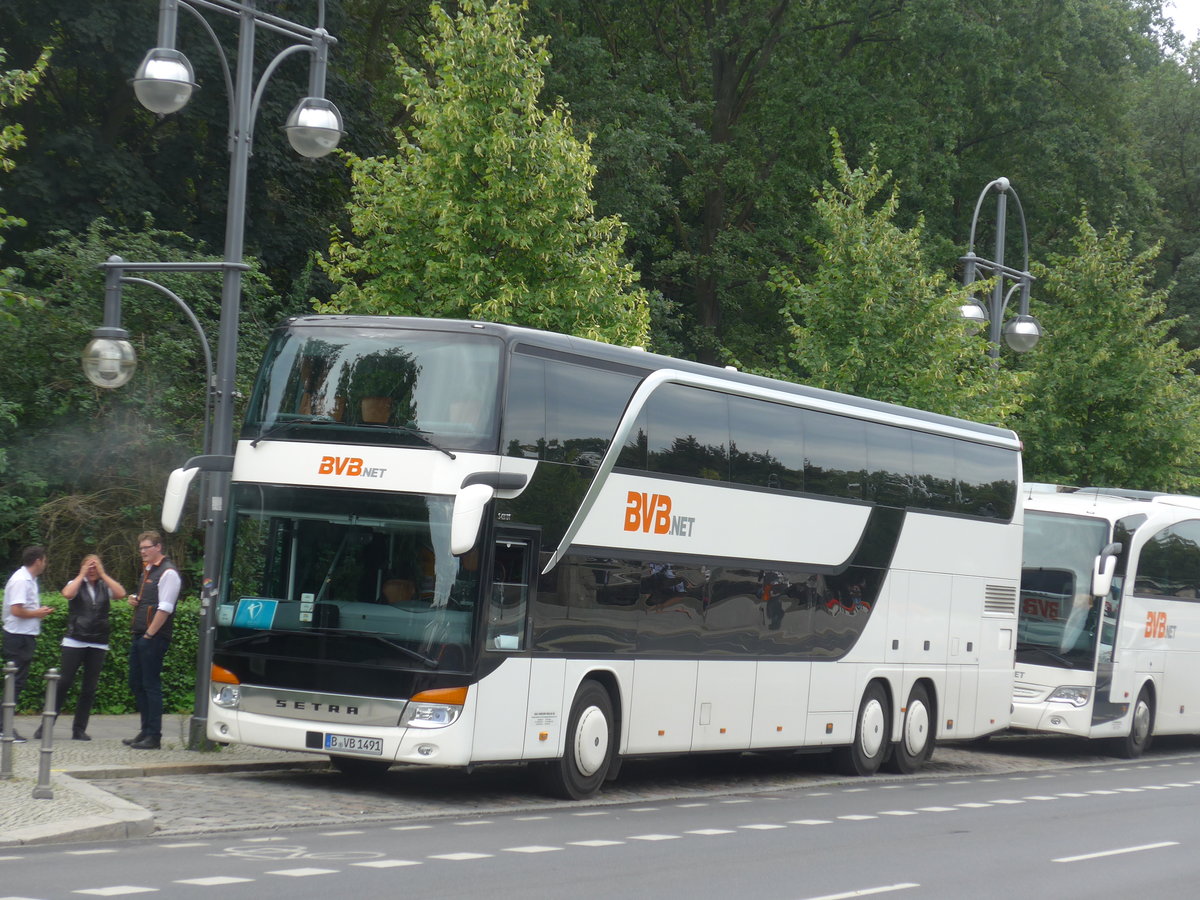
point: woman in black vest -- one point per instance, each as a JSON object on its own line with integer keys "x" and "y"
{"x": 86, "y": 642}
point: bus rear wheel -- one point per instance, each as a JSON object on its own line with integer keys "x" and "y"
{"x": 588, "y": 754}
{"x": 1141, "y": 728}
{"x": 916, "y": 734}
{"x": 871, "y": 735}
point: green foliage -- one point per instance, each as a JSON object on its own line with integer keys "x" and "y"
{"x": 484, "y": 210}
{"x": 875, "y": 319}
{"x": 1113, "y": 402}
{"x": 87, "y": 467}
{"x": 112, "y": 695}
{"x": 15, "y": 86}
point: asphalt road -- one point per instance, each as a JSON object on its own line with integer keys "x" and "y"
{"x": 1106, "y": 830}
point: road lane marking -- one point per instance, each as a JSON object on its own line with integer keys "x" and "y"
{"x": 213, "y": 881}
{"x": 974, "y": 805}
{"x": 595, "y": 843}
{"x": 897, "y": 812}
{"x": 708, "y": 831}
{"x": 1009, "y": 802}
{"x": 532, "y": 848}
{"x": 761, "y": 827}
{"x": 867, "y": 892}
{"x": 89, "y": 852}
{"x": 809, "y": 822}
{"x": 1085, "y": 856}
{"x": 857, "y": 818}
{"x": 935, "y": 809}
{"x": 654, "y": 837}
{"x": 386, "y": 863}
{"x": 410, "y": 827}
{"x": 303, "y": 872}
{"x": 117, "y": 890}
{"x": 461, "y": 857}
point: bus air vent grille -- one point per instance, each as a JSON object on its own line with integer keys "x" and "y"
{"x": 999, "y": 600}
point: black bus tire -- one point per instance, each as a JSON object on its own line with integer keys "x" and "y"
{"x": 589, "y": 747}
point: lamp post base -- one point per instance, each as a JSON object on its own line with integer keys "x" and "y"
{"x": 198, "y": 736}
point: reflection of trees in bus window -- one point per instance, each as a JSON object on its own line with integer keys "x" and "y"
{"x": 524, "y": 430}
{"x": 1170, "y": 563}
{"x": 835, "y": 449}
{"x": 766, "y": 445}
{"x": 688, "y": 432}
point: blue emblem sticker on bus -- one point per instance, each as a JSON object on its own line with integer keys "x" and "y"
{"x": 253, "y": 613}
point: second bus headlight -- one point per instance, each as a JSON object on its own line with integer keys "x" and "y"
{"x": 434, "y": 709}
{"x": 1076, "y": 695}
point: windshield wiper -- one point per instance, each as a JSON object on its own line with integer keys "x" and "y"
{"x": 420, "y": 657}
{"x": 1058, "y": 659}
{"x": 332, "y": 632}
{"x": 412, "y": 431}
{"x": 280, "y": 425}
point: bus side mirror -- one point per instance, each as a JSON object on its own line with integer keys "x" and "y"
{"x": 1103, "y": 570}
{"x": 468, "y": 516}
{"x": 177, "y": 486}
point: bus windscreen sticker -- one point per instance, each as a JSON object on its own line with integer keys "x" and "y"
{"x": 254, "y": 613}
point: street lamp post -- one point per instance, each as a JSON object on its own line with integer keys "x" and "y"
{"x": 1022, "y": 332}
{"x": 163, "y": 84}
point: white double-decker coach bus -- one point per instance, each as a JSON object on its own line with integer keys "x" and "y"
{"x": 454, "y": 543}
{"x": 1109, "y": 635}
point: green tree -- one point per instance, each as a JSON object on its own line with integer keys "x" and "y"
{"x": 875, "y": 319}
{"x": 15, "y": 86}
{"x": 484, "y": 211}
{"x": 1113, "y": 402}
{"x": 87, "y": 466}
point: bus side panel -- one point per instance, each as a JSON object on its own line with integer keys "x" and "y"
{"x": 780, "y": 704}
{"x": 724, "y": 705}
{"x": 547, "y": 680}
{"x": 664, "y": 697}
{"x": 927, "y": 624}
{"x": 500, "y": 713}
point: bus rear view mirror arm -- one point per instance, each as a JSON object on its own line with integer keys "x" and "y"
{"x": 1104, "y": 569}
{"x": 181, "y": 478}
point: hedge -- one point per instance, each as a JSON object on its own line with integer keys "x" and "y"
{"x": 112, "y": 695}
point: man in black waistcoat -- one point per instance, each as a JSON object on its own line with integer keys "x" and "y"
{"x": 153, "y": 613}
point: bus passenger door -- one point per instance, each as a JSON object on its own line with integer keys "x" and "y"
{"x": 501, "y": 711}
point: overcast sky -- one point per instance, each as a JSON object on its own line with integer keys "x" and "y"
{"x": 1186, "y": 14}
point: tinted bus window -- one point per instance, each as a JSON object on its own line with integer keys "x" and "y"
{"x": 889, "y": 464}
{"x": 934, "y": 469}
{"x": 987, "y": 478}
{"x": 835, "y": 455}
{"x": 583, "y": 408}
{"x": 688, "y": 433}
{"x": 766, "y": 446}
{"x": 524, "y": 431}
{"x": 1170, "y": 563}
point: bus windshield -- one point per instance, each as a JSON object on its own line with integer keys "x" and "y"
{"x": 378, "y": 386}
{"x": 370, "y": 575}
{"x": 1057, "y": 622}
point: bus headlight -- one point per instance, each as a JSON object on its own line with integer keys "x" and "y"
{"x": 226, "y": 688}
{"x": 1075, "y": 695}
{"x": 434, "y": 709}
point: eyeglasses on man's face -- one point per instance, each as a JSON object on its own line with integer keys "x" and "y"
{"x": 144, "y": 547}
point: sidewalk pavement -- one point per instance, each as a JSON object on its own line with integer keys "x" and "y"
{"x": 79, "y": 811}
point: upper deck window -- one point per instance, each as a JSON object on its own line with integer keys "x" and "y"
{"x": 378, "y": 386}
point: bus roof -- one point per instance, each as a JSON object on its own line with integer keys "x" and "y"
{"x": 638, "y": 359}
{"x": 1107, "y": 503}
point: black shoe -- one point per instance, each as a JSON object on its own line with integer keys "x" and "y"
{"x": 129, "y": 742}
{"x": 80, "y": 736}
{"x": 16, "y": 737}
{"x": 147, "y": 743}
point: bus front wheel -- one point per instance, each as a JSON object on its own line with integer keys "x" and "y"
{"x": 591, "y": 737}
{"x": 1141, "y": 727}
{"x": 916, "y": 734}
{"x": 871, "y": 735}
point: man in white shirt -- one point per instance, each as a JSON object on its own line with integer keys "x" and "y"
{"x": 23, "y": 614}
{"x": 153, "y": 615}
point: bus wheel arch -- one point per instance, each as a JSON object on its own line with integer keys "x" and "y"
{"x": 872, "y": 733}
{"x": 590, "y": 743}
{"x": 918, "y": 730}
{"x": 1141, "y": 724}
